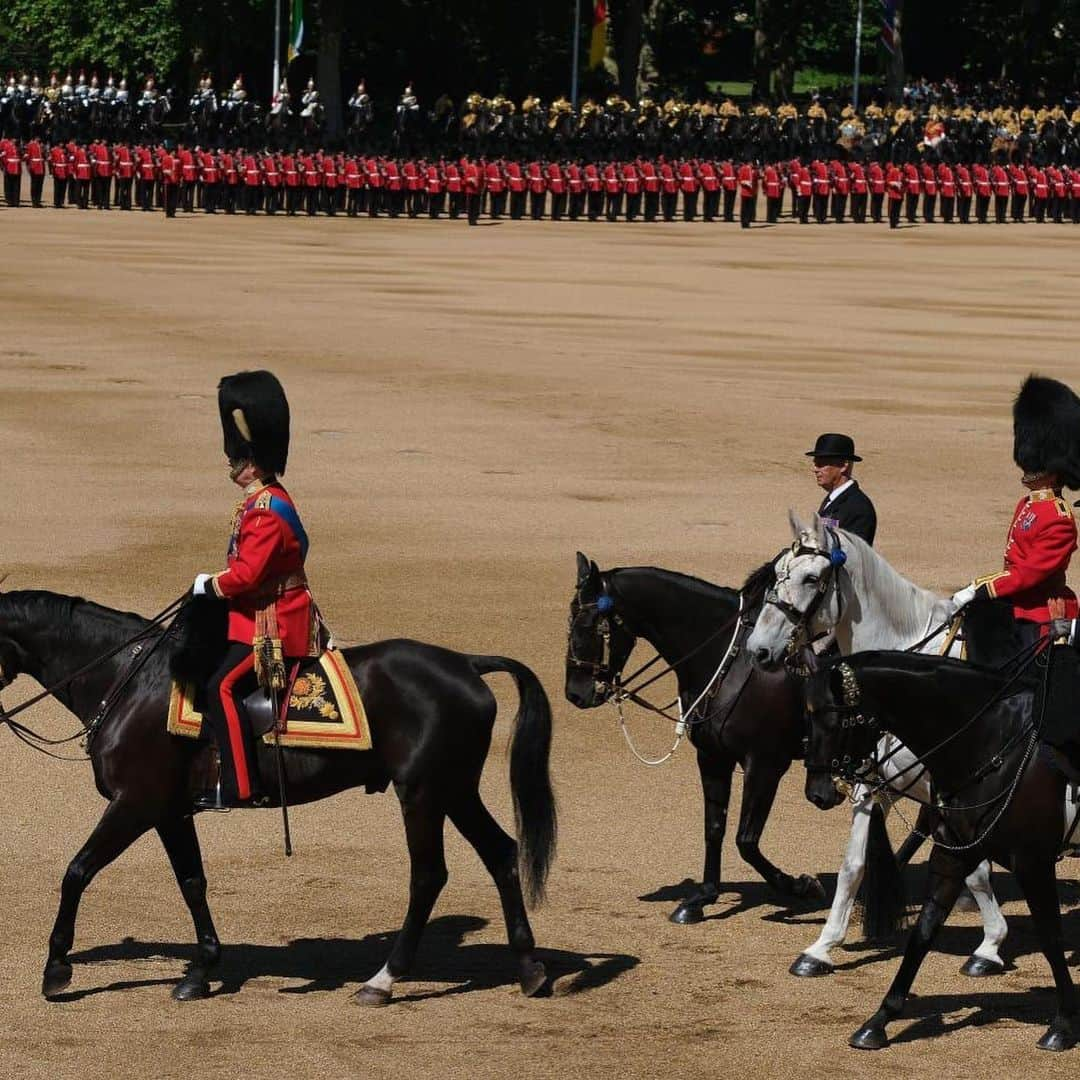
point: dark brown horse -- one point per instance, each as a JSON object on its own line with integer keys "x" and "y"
{"x": 431, "y": 718}
{"x": 754, "y": 718}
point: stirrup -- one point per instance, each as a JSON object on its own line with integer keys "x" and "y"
{"x": 211, "y": 800}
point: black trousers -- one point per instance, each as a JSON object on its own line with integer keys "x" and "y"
{"x": 668, "y": 201}
{"x": 710, "y": 204}
{"x": 729, "y": 204}
{"x": 1018, "y": 204}
{"x": 12, "y": 183}
{"x": 911, "y": 206}
{"x": 537, "y": 204}
{"x": 595, "y": 203}
{"x": 59, "y": 191}
{"x": 894, "y": 213}
{"x": 821, "y": 208}
{"x": 633, "y": 205}
{"x": 472, "y": 206}
{"x": 1001, "y": 206}
{"x": 171, "y": 195}
{"x": 652, "y": 205}
{"x": 963, "y": 208}
{"x": 804, "y": 209}
{"x": 929, "y": 203}
{"x": 37, "y": 185}
{"x": 233, "y": 681}
{"x": 858, "y": 208}
{"x": 614, "y": 205}
{"x": 839, "y": 207}
{"x": 948, "y": 203}
{"x": 876, "y": 201}
{"x": 689, "y": 205}
{"x": 772, "y": 209}
{"x": 746, "y": 211}
{"x": 982, "y": 208}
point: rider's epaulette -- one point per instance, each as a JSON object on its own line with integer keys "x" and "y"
{"x": 262, "y": 500}
{"x": 1046, "y": 495}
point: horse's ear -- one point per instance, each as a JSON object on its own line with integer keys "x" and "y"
{"x": 820, "y": 534}
{"x": 582, "y": 569}
{"x": 797, "y": 526}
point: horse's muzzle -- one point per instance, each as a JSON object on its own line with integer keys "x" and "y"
{"x": 822, "y": 791}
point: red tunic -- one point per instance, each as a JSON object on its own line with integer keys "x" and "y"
{"x": 266, "y": 562}
{"x": 124, "y": 166}
{"x": 877, "y": 178}
{"x": 1041, "y": 541}
{"x": 35, "y": 158}
{"x": 58, "y": 162}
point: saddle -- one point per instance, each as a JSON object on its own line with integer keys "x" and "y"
{"x": 321, "y": 708}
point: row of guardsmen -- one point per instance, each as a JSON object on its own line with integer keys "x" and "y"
{"x": 246, "y": 181}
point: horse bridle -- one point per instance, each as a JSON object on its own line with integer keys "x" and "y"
{"x": 854, "y": 724}
{"x": 801, "y": 619}
{"x": 600, "y": 669}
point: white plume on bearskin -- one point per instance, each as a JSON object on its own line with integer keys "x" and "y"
{"x": 1046, "y": 429}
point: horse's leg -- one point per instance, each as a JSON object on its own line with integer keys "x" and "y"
{"x": 118, "y": 829}
{"x": 986, "y": 960}
{"x": 424, "y": 816}
{"x": 946, "y": 881}
{"x": 182, "y": 846}
{"x": 716, "y": 786}
{"x": 1035, "y": 874}
{"x": 499, "y": 854}
{"x": 761, "y": 778}
{"x": 816, "y": 960}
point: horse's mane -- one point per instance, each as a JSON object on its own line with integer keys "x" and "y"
{"x": 696, "y": 585}
{"x": 926, "y": 663}
{"x": 39, "y": 606}
{"x": 756, "y": 584}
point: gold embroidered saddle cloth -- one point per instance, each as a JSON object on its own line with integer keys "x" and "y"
{"x": 324, "y": 708}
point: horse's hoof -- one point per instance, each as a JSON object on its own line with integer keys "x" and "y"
{"x": 869, "y": 1037}
{"x": 56, "y": 979}
{"x": 191, "y": 988}
{"x": 978, "y": 967}
{"x": 809, "y": 967}
{"x": 1058, "y": 1037}
{"x": 809, "y": 887}
{"x": 371, "y": 996}
{"x": 533, "y": 979}
{"x": 687, "y": 914}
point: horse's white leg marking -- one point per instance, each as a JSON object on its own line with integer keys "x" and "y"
{"x": 383, "y": 981}
{"x": 994, "y": 926}
{"x": 848, "y": 881}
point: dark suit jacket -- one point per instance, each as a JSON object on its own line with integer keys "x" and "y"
{"x": 853, "y": 511}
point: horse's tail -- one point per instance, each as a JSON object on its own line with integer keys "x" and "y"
{"x": 883, "y": 895}
{"x": 530, "y": 782}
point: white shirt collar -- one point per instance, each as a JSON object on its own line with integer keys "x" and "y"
{"x": 837, "y": 492}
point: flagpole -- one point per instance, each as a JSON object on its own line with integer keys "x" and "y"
{"x": 576, "y": 54}
{"x": 858, "y": 56}
{"x": 277, "y": 47}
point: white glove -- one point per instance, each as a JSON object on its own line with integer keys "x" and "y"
{"x": 964, "y": 596}
{"x": 202, "y": 585}
{"x": 1062, "y": 628}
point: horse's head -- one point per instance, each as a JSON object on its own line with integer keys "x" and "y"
{"x": 806, "y": 600}
{"x": 840, "y": 738}
{"x": 598, "y": 640}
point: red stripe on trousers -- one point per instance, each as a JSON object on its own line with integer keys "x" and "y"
{"x": 232, "y": 721}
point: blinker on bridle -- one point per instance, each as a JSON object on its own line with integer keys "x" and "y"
{"x": 837, "y": 558}
{"x": 600, "y": 669}
{"x": 854, "y": 725}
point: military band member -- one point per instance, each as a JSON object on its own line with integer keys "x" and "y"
{"x": 272, "y": 616}
{"x": 1042, "y": 536}
{"x": 845, "y": 506}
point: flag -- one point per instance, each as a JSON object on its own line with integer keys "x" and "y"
{"x": 598, "y": 44}
{"x": 888, "y": 29}
{"x": 296, "y": 28}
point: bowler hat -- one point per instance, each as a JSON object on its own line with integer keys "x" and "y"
{"x": 832, "y": 445}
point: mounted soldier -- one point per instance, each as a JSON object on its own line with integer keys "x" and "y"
{"x": 272, "y": 618}
{"x": 1043, "y": 535}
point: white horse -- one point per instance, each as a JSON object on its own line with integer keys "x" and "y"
{"x": 865, "y": 604}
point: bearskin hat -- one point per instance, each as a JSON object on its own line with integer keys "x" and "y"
{"x": 1046, "y": 429}
{"x": 255, "y": 419}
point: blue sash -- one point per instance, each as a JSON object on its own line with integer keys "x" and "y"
{"x": 287, "y": 512}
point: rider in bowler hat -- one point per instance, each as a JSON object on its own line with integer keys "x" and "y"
{"x": 845, "y": 506}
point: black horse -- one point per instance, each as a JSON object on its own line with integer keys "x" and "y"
{"x": 998, "y": 797}
{"x": 753, "y": 718}
{"x": 431, "y": 718}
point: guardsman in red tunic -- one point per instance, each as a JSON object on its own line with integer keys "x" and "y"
{"x": 1074, "y": 195}
{"x": 271, "y": 173}
{"x": 435, "y": 186}
{"x": 575, "y": 185}
{"x": 290, "y": 178}
{"x": 1019, "y": 180}
{"x": 806, "y": 193}
{"x": 352, "y": 186}
{"x": 594, "y": 191}
{"x": 35, "y": 166}
{"x": 748, "y": 189}
{"x": 209, "y": 180}
{"x": 124, "y": 171}
{"x": 929, "y": 187}
{"x": 189, "y": 177}
{"x": 1040, "y": 192}
{"x": 230, "y": 180}
{"x": 414, "y": 185}
{"x": 859, "y": 192}
{"x": 496, "y": 188}
{"x": 965, "y": 188}
{"x": 650, "y": 181}
{"x": 249, "y": 167}
{"x": 822, "y": 189}
{"x": 455, "y": 189}
{"x": 841, "y": 188}
{"x": 169, "y": 171}
{"x": 146, "y": 177}
{"x": 395, "y": 187}
{"x": 773, "y": 188}
{"x": 912, "y": 191}
{"x": 669, "y": 191}
{"x": 613, "y": 191}
{"x": 631, "y": 181}
{"x": 82, "y": 172}
{"x": 328, "y": 168}
{"x": 689, "y": 186}
{"x": 999, "y": 181}
{"x": 1055, "y": 181}
{"x": 710, "y": 187}
{"x": 9, "y": 149}
{"x": 556, "y": 184}
{"x": 875, "y": 176}
{"x": 101, "y": 178}
{"x": 272, "y": 618}
{"x": 792, "y": 178}
{"x": 1042, "y": 536}
{"x": 58, "y": 169}
{"x": 472, "y": 178}
{"x": 894, "y": 188}
{"x": 984, "y": 190}
{"x": 374, "y": 186}
{"x": 947, "y": 186}
{"x": 730, "y": 182}
{"x": 537, "y": 190}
